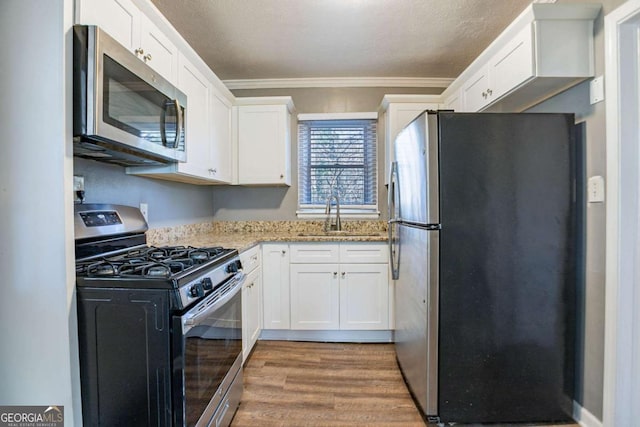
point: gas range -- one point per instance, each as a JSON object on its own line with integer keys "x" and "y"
{"x": 159, "y": 328}
{"x": 190, "y": 272}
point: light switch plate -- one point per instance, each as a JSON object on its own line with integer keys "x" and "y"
{"x": 595, "y": 189}
{"x": 596, "y": 89}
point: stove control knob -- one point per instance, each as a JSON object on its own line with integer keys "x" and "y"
{"x": 207, "y": 284}
{"x": 196, "y": 290}
{"x": 233, "y": 267}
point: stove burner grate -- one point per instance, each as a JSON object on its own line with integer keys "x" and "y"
{"x": 150, "y": 262}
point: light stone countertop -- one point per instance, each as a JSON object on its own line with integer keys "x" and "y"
{"x": 243, "y": 235}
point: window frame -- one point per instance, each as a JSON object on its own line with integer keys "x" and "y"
{"x": 311, "y": 211}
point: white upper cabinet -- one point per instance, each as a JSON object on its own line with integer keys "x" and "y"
{"x": 264, "y": 140}
{"x": 197, "y": 129}
{"x": 221, "y": 153}
{"x": 207, "y": 133}
{"x": 157, "y": 51}
{"x": 453, "y": 101}
{"x": 397, "y": 111}
{"x": 123, "y": 21}
{"x": 546, "y": 50}
{"x": 119, "y": 18}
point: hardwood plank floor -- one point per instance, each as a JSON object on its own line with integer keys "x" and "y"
{"x": 289, "y": 384}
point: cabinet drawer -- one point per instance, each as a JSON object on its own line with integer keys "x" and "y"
{"x": 364, "y": 253}
{"x": 250, "y": 259}
{"x": 315, "y": 253}
{"x": 251, "y": 278}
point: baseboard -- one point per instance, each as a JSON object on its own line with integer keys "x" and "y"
{"x": 327, "y": 336}
{"x": 584, "y": 417}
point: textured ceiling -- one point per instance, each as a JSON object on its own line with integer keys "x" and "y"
{"x": 260, "y": 39}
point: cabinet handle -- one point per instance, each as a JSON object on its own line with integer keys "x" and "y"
{"x": 335, "y": 274}
{"x": 213, "y": 171}
{"x": 139, "y": 51}
{"x": 489, "y": 92}
{"x": 147, "y": 57}
{"x": 254, "y": 258}
{"x": 343, "y": 274}
{"x": 484, "y": 95}
{"x": 284, "y": 252}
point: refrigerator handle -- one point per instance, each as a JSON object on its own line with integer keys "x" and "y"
{"x": 391, "y": 206}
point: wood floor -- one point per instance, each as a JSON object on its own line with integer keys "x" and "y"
{"x": 325, "y": 384}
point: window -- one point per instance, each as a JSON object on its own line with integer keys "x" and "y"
{"x": 337, "y": 157}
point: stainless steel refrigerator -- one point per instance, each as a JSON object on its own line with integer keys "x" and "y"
{"x": 483, "y": 249}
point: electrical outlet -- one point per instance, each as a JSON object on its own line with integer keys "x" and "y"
{"x": 144, "y": 209}
{"x": 596, "y": 90}
{"x": 78, "y": 188}
{"x": 595, "y": 189}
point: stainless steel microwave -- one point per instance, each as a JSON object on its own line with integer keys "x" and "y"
{"x": 124, "y": 112}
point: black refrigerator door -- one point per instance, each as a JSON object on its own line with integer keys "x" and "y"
{"x": 507, "y": 301}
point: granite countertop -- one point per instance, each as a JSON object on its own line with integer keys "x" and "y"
{"x": 243, "y": 235}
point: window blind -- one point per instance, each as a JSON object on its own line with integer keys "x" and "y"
{"x": 337, "y": 157}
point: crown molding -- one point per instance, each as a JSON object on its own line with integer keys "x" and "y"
{"x": 338, "y": 82}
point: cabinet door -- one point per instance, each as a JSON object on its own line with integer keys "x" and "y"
{"x": 454, "y": 102}
{"x": 364, "y": 296}
{"x": 513, "y": 64}
{"x": 475, "y": 91}
{"x": 251, "y": 312}
{"x": 221, "y": 138}
{"x": 119, "y": 18}
{"x": 197, "y": 130}
{"x": 157, "y": 51}
{"x": 275, "y": 286}
{"x": 315, "y": 296}
{"x": 398, "y": 116}
{"x": 264, "y": 145}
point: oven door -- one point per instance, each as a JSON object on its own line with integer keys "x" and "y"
{"x": 207, "y": 353}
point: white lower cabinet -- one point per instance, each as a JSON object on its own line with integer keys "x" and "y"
{"x": 350, "y": 294}
{"x": 275, "y": 283}
{"x": 251, "y": 299}
{"x": 251, "y": 311}
{"x": 315, "y": 296}
{"x": 364, "y": 296}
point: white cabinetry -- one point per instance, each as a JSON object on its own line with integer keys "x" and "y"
{"x": 315, "y": 296}
{"x": 251, "y": 300}
{"x": 275, "y": 275}
{"x": 547, "y": 49}
{"x": 364, "y": 296}
{"x": 264, "y": 140}
{"x": 123, "y": 21}
{"x": 197, "y": 130}
{"x": 207, "y": 133}
{"x": 339, "y": 286}
{"x": 397, "y": 111}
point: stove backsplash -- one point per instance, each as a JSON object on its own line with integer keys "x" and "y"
{"x": 169, "y": 203}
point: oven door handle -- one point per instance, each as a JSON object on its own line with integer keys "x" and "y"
{"x": 210, "y": 304}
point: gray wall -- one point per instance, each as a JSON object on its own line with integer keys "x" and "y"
{"x": 38, "y": 338}
{"x": 170, "y": 203}
{"x": 592, "y": 295}
{"x": 280, "y": 203}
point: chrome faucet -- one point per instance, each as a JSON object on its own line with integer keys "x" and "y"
{"x": 328, "y": 226}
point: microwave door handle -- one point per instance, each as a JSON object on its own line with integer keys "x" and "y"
{"x": 163, "y": 124}
{"x": 178, "y": 124}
